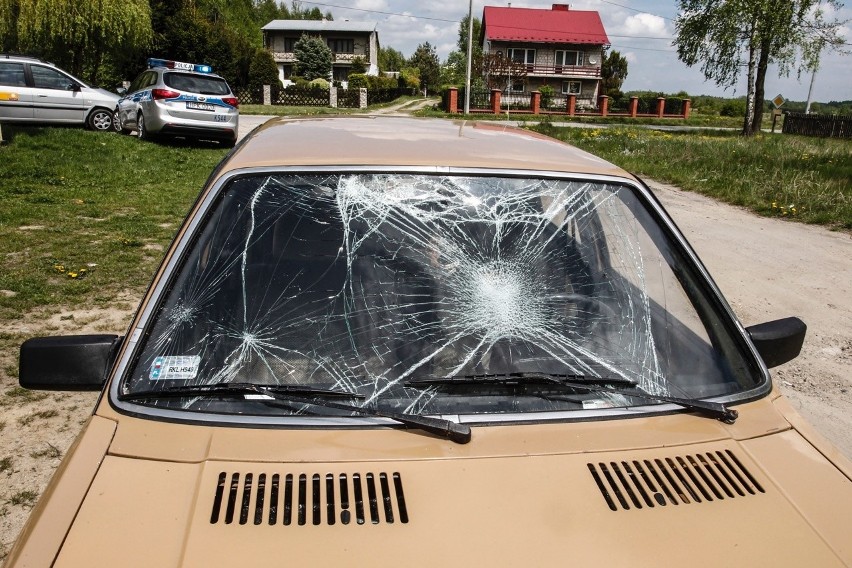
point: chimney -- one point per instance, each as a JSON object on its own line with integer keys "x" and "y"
{"x": 562, "y": 7}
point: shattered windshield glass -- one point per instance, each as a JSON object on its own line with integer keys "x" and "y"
{"x": 362, "y": 282}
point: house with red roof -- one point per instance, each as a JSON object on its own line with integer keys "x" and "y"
{"x": 560, "y": 47}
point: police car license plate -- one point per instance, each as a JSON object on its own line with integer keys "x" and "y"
{"x": 200, "y": 106}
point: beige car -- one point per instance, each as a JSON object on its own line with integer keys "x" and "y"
{"x": 402, "y": 342}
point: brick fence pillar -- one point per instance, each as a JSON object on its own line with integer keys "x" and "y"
{"x": 634, "y": 107}
{"x": 687, "y": 104}
{"x": 535, "y": 101}
{"x": 332, "y": 97}
{"x": 495, "y": 101}
{"x": 571, "y": 104}
{"x": 603, "y": 104}
{"x": 362, "y": 98}
{"x": 661, "y": 106}
{"x": 453, "y": 100}
{"x": 267, "y": 95}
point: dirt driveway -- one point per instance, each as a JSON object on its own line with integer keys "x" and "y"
{"x": 767, "y": 268}
{"x": 770, "y": 269}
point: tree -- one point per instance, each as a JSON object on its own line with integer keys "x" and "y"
{"x": 314, "y": 58}
{"x": 79, "y": 35}
{"x": 725, "y": 36}
{"x": 455, "y": 69}
{"x": 390, "y": 59}
{"x": 613, "y": 73}
{"x": 501, "y": 72}
{"x": 425, "y": 58}
{"x": 263, "y": 70}
{"x": 359, "y": 65}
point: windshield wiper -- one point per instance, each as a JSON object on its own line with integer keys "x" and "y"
{"x": 236, "y": 389}
{"x": 459, "y": 433}
{"x": 611, "y": 385}
{"x": 518, "y": 380}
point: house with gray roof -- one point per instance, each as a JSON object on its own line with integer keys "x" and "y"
{"x": 347, "y": 40}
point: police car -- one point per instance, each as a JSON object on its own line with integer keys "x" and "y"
{"x": 173, "y": 98}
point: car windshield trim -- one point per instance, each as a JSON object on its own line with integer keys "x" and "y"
{"x": 755, "y": 392}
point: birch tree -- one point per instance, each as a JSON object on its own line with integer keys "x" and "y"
{"x": 724, "y": 36}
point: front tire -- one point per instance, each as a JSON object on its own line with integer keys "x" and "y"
{"x": 141, "y": 130}
{"x": 116, "y": 123}
{"x": 100, "y": 120}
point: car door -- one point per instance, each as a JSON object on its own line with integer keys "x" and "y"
{"x": 16, "y": 98}
{"x": 129, "y": 103}
{"x": 57, "y": 97}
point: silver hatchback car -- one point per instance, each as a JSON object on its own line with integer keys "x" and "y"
{"x": 33, "y": 91}
{"x": 173, "y": 98}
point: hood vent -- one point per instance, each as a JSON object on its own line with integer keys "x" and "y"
{"x": 679, "y": 480}
{"x": 302, "y": 499}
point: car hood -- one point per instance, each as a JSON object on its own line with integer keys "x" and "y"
{"x": 722, "y": 502}
{"x": 102, "y": 95}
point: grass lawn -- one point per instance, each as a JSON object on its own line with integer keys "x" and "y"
{"x": 809, "y": 179}
{"x": 87, "y": 215}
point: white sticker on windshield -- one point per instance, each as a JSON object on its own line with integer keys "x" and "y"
{"x": 175, "y": 368}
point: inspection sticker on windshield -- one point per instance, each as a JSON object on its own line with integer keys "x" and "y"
{"x": 175, "y": 368}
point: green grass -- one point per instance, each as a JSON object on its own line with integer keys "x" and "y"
{"x": 86, "y": 214}
{"x": 695, "y": 119}
{"x": 775, "y": 175}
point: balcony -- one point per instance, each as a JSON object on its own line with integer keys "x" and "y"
{"x": 567, "y": 71}
{"x": 290, "y": 57}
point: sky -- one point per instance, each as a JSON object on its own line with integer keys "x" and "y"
{"x": 641, "y": 30}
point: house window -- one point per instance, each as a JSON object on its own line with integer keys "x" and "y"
{"x": 526, "y": 56}
{"x": 341, "y": 45}
{"x": 290, "y": 44}
{"x": 340, "y": 73}
{"x": 572, "y": 87}
{"x": 516, "y": 87}
{"x": 286, "y": 71}
{"x": 568, "y": 58}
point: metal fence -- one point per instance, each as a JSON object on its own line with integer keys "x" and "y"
{"x": 822, "y": 125}
{"x": 316, "y": 96}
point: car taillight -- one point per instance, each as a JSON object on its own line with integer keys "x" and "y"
{"x": 231, "y": 101}
{"x": 164, "y": 94}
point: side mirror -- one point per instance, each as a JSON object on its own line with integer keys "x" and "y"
{"x": 73, "y": 87}
{"x": 778, "y": 341}
{"x": 73, "y": 362}
{"x": 121, "y": 91}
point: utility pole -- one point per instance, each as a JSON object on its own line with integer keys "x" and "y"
{"x": 469, "y": 57}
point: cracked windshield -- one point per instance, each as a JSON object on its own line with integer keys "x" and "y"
{"x": 368, "y": 283}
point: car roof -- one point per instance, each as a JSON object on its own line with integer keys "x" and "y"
{"x": 404, "y": 141}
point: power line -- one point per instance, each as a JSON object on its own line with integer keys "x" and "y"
{"x": 327, "y": 5}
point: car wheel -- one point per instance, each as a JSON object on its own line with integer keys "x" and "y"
{"x": 229, "y": 143}
{"x": 101, "y": 120}
{"x": 116, "y": 124}
{"x": 141, "y": 131}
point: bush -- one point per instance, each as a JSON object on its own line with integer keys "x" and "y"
{"x": 547, "y": 93}
{"x": 263, "y": 71}
{"x": 319, "y": 83}
{"x": 357, "y": 81}
{"x": 733, "y": 108}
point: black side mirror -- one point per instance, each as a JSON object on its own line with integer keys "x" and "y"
{"x": 74, "y": 362}
{"x": 778, "y": 341}
{"x": 73, "y": 87}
